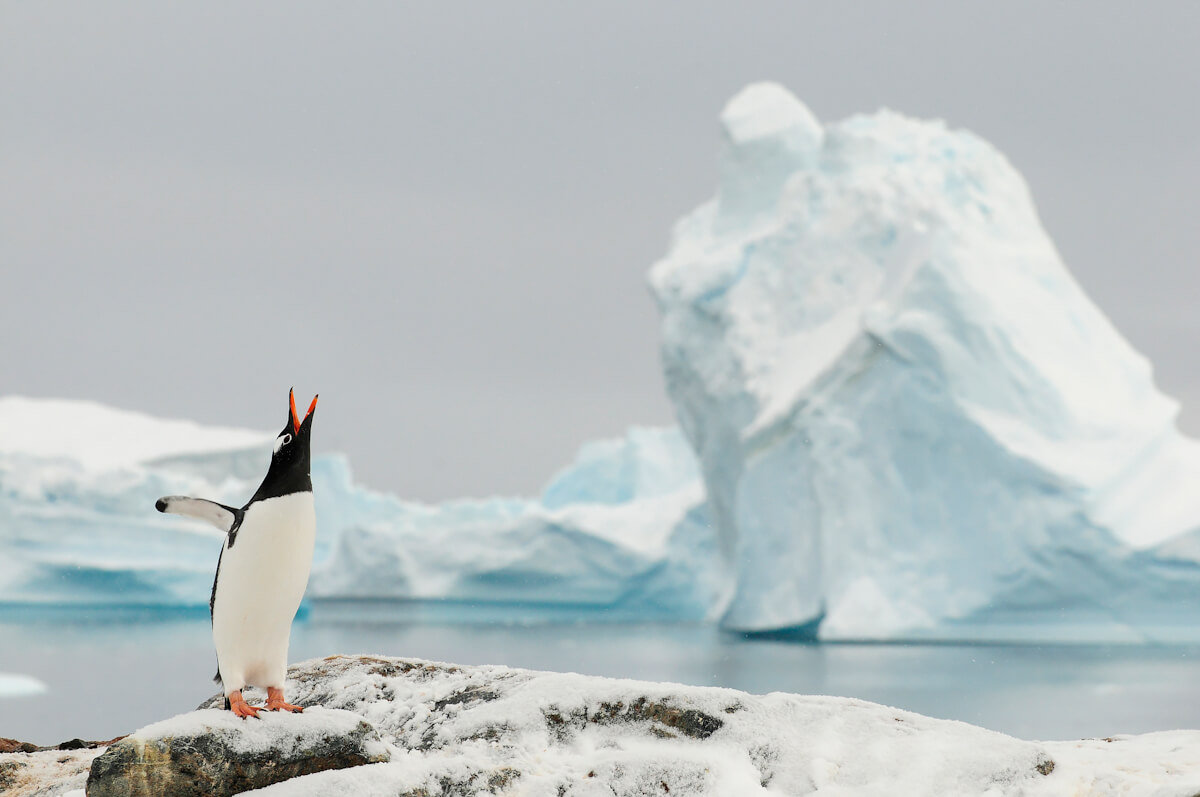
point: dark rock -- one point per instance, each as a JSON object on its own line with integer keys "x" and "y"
{"x": 478, "y": 783}
{"x": 666, "y": 721}
{"x": 467, "y": 696}
{"x": 213, "y": 753}
{"x": 13, "y": 746}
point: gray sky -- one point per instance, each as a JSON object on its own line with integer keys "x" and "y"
{"x": 440, "y": 215}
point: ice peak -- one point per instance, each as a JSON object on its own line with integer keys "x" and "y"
{"x": 769, "y": 134}
{"x": 767, "y": 110}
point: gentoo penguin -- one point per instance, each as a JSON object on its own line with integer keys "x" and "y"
{"x": 262, "y": 570}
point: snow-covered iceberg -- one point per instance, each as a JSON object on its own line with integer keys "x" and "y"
{"x": 911, "y": 420}
{"x": 622, "y": 533}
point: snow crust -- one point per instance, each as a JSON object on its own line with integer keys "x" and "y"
{"x": 271, "y": 732}
{"x": 911, "y": 420}
{"x": 495, "y": 730}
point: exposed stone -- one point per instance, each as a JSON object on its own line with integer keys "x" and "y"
{"x": 13, "y": 746}
{"x": 213, "y": 752}
{"x": 8, "y": 773}
{"x": 45, "y": 773}
{"x": 667, "y": 721}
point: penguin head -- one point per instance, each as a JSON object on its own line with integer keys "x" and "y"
{"x": 290, "y": 461}
{"x": 293, "y": 444}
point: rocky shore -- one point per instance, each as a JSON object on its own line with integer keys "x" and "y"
{"x": 412, "y": 728}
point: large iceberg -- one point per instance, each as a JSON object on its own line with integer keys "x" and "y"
{"x": 911, "y": 420}
{"x": 620, "y": 534}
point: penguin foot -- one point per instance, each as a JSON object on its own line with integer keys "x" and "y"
{"x": 275, "y": 701}
{"x": 239, "y": 706}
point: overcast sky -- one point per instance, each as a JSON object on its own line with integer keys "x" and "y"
{"x": 440, "y": 215}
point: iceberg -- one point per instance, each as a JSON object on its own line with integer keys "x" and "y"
{"x": 18, "y": 685}
{"x": 911, "y": 421}
{"x": 900, "y": 418}
{"x": 623, "y": 533}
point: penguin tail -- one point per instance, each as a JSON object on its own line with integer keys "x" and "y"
{"x": 228, "y": 707}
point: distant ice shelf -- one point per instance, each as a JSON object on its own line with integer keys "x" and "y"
{"x": 16, "y": 685}
{"x": 621, "y": 534}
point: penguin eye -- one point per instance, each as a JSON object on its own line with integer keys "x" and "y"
{"x": 282, "y": 441}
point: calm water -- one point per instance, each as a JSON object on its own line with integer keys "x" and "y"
{"x": 108, "y": 676}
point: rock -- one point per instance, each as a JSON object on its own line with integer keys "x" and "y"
{"x": 489, "y": 730}
{"x": 9, "y": 771}
{"x": 212, "y": 752}
{"x": 460, "y": 731}
{"x": 13, "y": 746}
{"x": 45, "y": 773}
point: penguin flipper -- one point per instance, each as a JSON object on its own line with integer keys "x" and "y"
{"x": 226, "y": 518}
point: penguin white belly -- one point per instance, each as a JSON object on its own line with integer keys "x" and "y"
{"x": 260, "y": 582}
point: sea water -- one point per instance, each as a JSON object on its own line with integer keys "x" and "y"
{"x": 108, "y": 674}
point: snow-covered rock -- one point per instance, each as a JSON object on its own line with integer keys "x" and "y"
{"x": 46, "y": 773}
{"x": 623, "y": 531}
{"x": 214, "y": 753}
{"x": 466, "y": 730}
{"x": 493, "y": 730}
{"x": 911, "y": 420}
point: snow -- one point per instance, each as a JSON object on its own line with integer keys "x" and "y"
{"x": 911, "y": 421}
{"x": 455, "y": 729}
{"x": 48, "y": 773}
{"x": 17, "y": 685}
{"x": 279, "y": 733}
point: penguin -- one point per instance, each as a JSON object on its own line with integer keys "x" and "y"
{"x": 262, "y": 570}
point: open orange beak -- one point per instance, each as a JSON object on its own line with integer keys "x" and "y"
{"x": 295, "y": 417}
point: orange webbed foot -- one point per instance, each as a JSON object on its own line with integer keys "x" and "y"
{"x": 239, "y": 706}
{"x": 275, "y": 701}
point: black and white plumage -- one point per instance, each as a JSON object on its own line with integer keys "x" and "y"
{"x": 263, "y": 567}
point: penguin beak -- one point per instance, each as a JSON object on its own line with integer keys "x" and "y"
{"x": 295, "y": 416}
